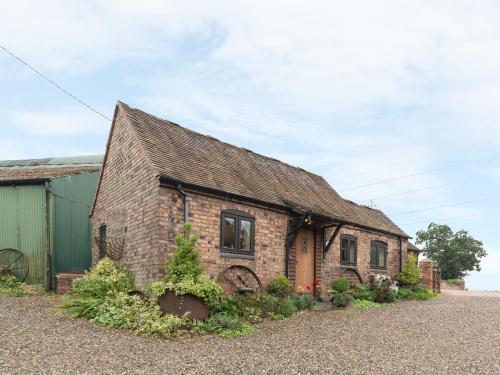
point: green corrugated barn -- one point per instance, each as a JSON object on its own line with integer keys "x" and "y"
{"x": 44, "y": 213}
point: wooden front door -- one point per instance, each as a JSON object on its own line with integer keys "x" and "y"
{"x": 304, "y": 253}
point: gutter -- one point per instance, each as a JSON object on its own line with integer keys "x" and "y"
{"x": 400, "y": 254}
{"x": 186, "y": 203}
{"x": 168, "y": 181}
{"x": 30, "y": 181}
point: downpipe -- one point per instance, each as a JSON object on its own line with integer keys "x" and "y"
{"x": 186, "y": 203}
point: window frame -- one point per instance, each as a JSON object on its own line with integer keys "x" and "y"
{"x": 102, "y": 240}
{"x": 349, "y": 238}
{"x": 238, "y": 216}
{"x": 379, "y": 245}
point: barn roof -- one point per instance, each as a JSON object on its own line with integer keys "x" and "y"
{"x": 28, "y": 169}
{"x": 181, "y": 154}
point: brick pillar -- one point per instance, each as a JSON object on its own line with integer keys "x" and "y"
{"x": 425, "y": 267}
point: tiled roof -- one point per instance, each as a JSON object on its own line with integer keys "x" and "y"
{"x": 184, "y": 155}
{"x": 28, "y": 169}
{"x": 412, "y": 247}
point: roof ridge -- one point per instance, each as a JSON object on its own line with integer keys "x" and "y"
{"x": 238, "y": 148}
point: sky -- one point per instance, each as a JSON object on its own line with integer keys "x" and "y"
{"x": 395, "y": 103}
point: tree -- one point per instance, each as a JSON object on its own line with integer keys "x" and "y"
{"x": 456, "y": 253}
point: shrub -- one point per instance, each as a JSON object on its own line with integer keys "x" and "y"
{"x": 304, "y": 302}
{"x": 9, "y": 286}
{"x": 185, "y": 263}
{"x": 279, "y": 285}
{"x": 365, "y": 304}
{"x": 287, "y": 307}
{"x": 362, "y": 292}
{"x": 341, "y": 284}
{"x": 410, "y": 273}
{"x": 208, "y": 290}
{"x": 420, "y": 293}
{"x": 454, "y": 281}
{"x": 341, "y": 299}
{"x": 139, "y": 315}
{"x": 104, "y": 279}
{"x": 228, "y": 306}
{"x": 226, "y": 325}
{"x": 384, "y": 289}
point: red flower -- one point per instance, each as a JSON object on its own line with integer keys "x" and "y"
{"x": 315, "y": 282}
{"x": 308, "y": 287}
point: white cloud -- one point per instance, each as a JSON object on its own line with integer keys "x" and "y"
{"x": 63, "y": 121}
{"x": 487, "y": 278}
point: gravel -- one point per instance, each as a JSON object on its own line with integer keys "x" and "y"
{"x": 454, "y": 334}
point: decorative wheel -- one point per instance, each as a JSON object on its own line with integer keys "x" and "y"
{"x": 13, "y": 263}
{"x": 353, "y": 276}
{"x": 240, "y": 279}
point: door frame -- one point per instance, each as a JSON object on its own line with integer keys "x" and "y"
{"x": 313, "y": 256}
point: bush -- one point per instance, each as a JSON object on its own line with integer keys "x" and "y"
{"x": 184, "y": 273}
{"x": 304, "y": 302}
{"x": 420, "y": 293}
{"x": 185, "y": 263}
{"x": 209, "y": 291}
{"x": 228, "y": 306}
{"x": 287, "y": 307}
{"x": 341, "y": 284}
{"x": 103, "y": 280}
{"x": 384, "y": 289}
{"x": 410, "y": 274}
{"x": 226, "y": 325}
{"x": 362, "y": 292}
{"x": 365, "y": 304}
{"x": 139, "y": 315}
{"x": 341, "y": 299}
{"x": 9, "y": 286}
{"x": 279, "y": 285}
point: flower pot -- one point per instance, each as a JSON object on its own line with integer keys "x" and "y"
{"x": 178, "y": 305}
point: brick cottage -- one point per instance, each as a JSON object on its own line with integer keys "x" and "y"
{"x": 247, "y": 210}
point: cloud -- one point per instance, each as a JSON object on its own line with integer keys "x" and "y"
{"x": 487, "y": 278}
{"x": 63, "y": 121}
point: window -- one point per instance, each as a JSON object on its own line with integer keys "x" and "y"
{"x": 378, "y": 255}
{"x": 102, "y": 241}
{"x": 237, "y": 232}
{"x": 348, "y": 250}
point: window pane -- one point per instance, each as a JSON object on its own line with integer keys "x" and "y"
{"x": 229, "y": 232}
{"x": 343, "y": 249}
{"x": 373, "y": 255}
{"x": 245, "y": 233}
{"x": 381, "y": 257}
{"x": 352, "y": 251}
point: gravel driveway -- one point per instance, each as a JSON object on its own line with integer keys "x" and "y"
{"x": 455, "y": 334}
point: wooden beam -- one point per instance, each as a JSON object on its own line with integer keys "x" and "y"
{"x": 332, "y": 238}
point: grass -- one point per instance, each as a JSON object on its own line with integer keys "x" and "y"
{"x": 454, "y": 281}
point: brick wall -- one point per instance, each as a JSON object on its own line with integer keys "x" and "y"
{"x": 426, "y": 267}
{"x": 127, "y": 202}
{"x": 64, "y": 280}
{"x": 204, "y": 215}
{"x": 330, "y": 268}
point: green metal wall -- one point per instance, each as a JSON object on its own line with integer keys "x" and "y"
{"x": 23, "y": 225}
{"x": 71, "y": 231}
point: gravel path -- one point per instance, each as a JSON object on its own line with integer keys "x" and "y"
{"x": 454, "y": 334}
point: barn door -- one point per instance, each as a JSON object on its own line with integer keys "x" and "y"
{"x": 304, "y": 275}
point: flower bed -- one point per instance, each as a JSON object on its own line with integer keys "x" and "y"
{"x": 106, "y": 295}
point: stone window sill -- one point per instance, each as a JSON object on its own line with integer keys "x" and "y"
{"x": 378, "y": 270}
{"x": 349, "y": 266}
{"x": 237, "y": 256}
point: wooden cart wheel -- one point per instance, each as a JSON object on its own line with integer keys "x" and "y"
{"x": 240, "y": 279}
{"x": 14, "y": 263}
